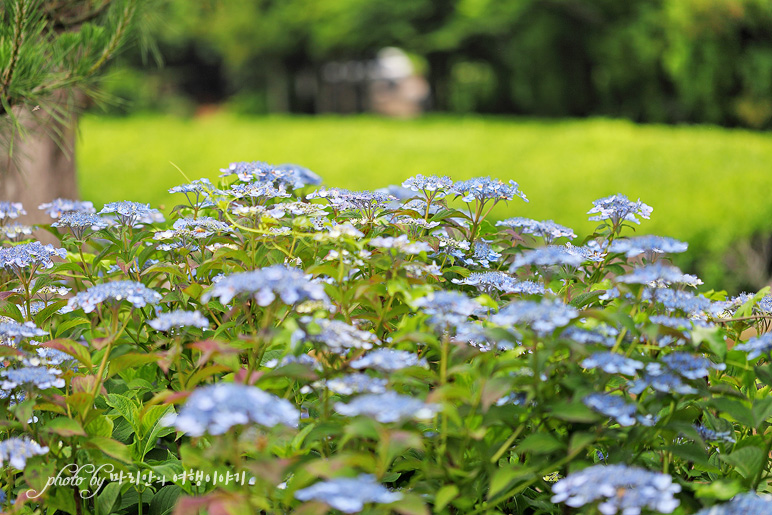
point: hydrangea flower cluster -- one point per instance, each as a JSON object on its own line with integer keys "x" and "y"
{"x": 350, "y": 384}
{"x": 38, "y": 377}
{"x": 79, "y": 222}
{"x": 343, "y": 199}
{"x": 711, "y": 435}
{"x": 605, "y": 335}
{"x": 401, "y": 244}
{"x": 541, "y": 317}
{"x": 291, "y": 285}
{"x": 179, "y": 318}
{"x": 548, "y": 229}
{"x": 749, "y": 503}
{"x": 447, "y": 308}
{"x": 12, "y": 332}
{"x": 214, "y": 409}
{"x": 339, "y": 336}
{"x": 58, "y": 207}
{"x": 619, "y": 488}
{"x": 618, "y": 208}
{"x": 757, "y": 346}
{"x": 16, "y": 231}
{"x": 486, "y": 188}
{"x": 387, "y": 407}
{"x": 10, "y": 210}
{"x": 613, "y": 363}
{"x": 133, "y": 292}
{"x": 132, "y": 213}
{"x": 388, "y": 360}
{"x": 659, "y": 275}
{"x": 15, "y": 451}
{"x": 489, "y": 282}
{"x": 649, "y": 246}
{"x": 287, "y": 175}
{"x": 31, "y": 254}
{"x": 432, "y": 185}
{"x": 348, "y": 495}
{"x": 615, "y": 407}
{"x": 547, "y": 256}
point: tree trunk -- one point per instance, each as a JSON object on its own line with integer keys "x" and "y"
{"x": 40, "y": 169}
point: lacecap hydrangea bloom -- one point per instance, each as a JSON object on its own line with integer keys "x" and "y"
{"x": 348, "y": 495}
{"x": 214, "y": 409}
{"x": 131, "y": 213}
{"x": 15, "y": 451}
{"x": 617, "y": 208}
{"x": 749, "y": 503}
{"x": 10, "y": 210}
{"x": 339, "y": 336}
{"x": 618, "y": 489}
{"x": 615, "y": 407}
{"x": 613, "y": 363}
{"x": 711, "y": 435}
{"x": 289, "y": 284}
{"x": 400, "y": 244}
{"x": 343, "y": 199}
{"x": 179, "y": 318}
{"x": 31, "y": 254}
{"x": 16, "y": 231}
{"x": 447, "y": 308}
{"x": 661, "y": 379}
{"x": 57, "y": 207}
{"x": 486, "y": 188}
{"x": 431, "y": 185}
{"x": 388, "y": 360}
{"x": 133, "y": 292}
{"x": 649, "y": 246}
{"x": 547, "y": 256}
{"x": 548, "y": 230}
{"x": 541, "y": 317}
{"x": 689, "y": 365}
{"x": 603, "y": 335}
{"x": 757, "y": 346}
{"x": 489, "y": 282}
{"x": 79, "y": 222}
{"x": 387, "y": 407}
{"x": 39, "y": 377}
{"x": 659, "y": 275}
{"x": 350, "y": 384}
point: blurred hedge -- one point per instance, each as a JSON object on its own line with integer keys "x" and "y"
{"x": 647, "y": 60}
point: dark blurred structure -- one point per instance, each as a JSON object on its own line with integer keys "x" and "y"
{"x": 648, "y": 60}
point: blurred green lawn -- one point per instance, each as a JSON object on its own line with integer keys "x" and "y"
{"x": 707, "y": 185}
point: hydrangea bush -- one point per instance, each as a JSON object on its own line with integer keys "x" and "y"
{"x": 378, "y": 352}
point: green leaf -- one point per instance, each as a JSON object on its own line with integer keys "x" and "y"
{"x": 445, "y": 494}
{"x": 164, "y": 500}
{"x": 721, "y": 489}
{"x": 762, "y": 410}
{"x": 70, "y": 324}
{"x": 540, "y": 443}
{"x": 585, "y": 299}
{"x": 71, "y": 348}
{"x": 735, "y": 408}
{"x": 747, "y": 461}
{"x": 100, "y": 426}
{"x": 64, "y": 426}
{"x": 503, "y": 478}
{"x": 130, "y": 360}
{"x": 126, "y": 408}
{"x": 151, "y": 428}
{"x": 573, "y": 412}
{"x": 110, "y": 447}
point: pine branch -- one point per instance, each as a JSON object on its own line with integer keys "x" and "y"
{"x": 116, "y": 40}
{"x": 18, "y": 39}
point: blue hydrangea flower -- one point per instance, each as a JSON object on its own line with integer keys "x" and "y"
{"x": 661, "y": 379}
{"x": 613, "y": 363}
{"x": 591, "y": 252}
{"x": 348, "y": 495}
{"x": 748, "y": 503}
{"x": 615, "y": 407}
{"x": 619, "y": 488}
{"x": 431, "y": 185}
{"x": 387, "y": 407}
{"x": 649, "y": 246}
{"x": 400, "y": 243}
{"x": 39, "y": 377}
{"x": 475, "y": 335}
{"x": 12, "y": 332}
{"x": 447, "y": 308}
{"x": 489, "y": 282}
{"x": 350, "y": 384}
{"x": 303, "y": 359}
{"x": 757, "y": 346}
{"x": 679, "y": 323}
{"x": 711, "y": 435}
{"x": 291, "y": 285}
{"x": 603, "y": 335}
{"x": 58, "y": 207}
{"x": 258, "y": 190}
{"x": 287, "y": 175}
{"x": 486, "y": 188}
{"x": 483, "y": 255}
{"x": 214, "y": 409}
{"x": 339, "y": 336}
{"x": 343, "y": 199}
{"x": 690, "y": 366}
{"x": 547, "y": 256}
{"x": 179, "y": 318}
{"x": 388, "y": 360}
{"x": 16, "y": 231}
{"x": 298, "y": 176}
{"x": 765, "y": 304}
{"x": 134, "y": 292}
{"x": 685, "y": 301}
{"x": 46, "y": 356}
{"x": 79, "y": 222}
{"x": 32, "y": 254}
{"x": 659, "y": 275}
{"x": 132, "y": 213}
{"x": 547, "y": 229}
{"x": 541, "y": 317}
{"x": 10, "y": 210}
{"x": 617, "y": 208}
{"x": 15, "y": 451}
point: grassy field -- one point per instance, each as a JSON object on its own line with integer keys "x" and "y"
{"x": 707, "y": 185}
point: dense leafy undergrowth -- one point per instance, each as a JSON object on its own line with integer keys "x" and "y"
{"x": 282, "y": 347}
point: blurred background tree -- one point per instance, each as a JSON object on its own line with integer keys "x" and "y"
{"x": 51, "y": 55}
{"x": 670, "y": 61}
